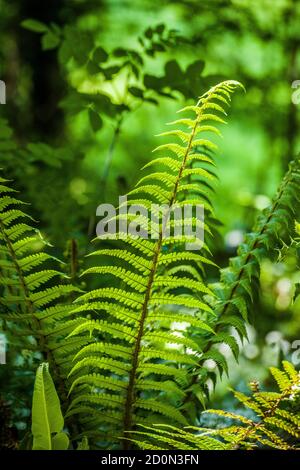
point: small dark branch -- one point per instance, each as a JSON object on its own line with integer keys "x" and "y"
{"x": 110, "y": 154}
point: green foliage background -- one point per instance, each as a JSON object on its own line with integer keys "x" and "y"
{"x": 90, "y": 83}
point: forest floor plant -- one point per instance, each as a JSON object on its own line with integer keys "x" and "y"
{"x": 133, "y": 351}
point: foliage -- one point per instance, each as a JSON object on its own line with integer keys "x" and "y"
{"x": 88, "y": 85}
{"x": 138, "y": 351}
{"x": 47, "y": 419}
{"x": 275, "y": 422}
{"x": 35, "y": 304}
{"x": 105, "y": 69}
{"x": 239, "y": 282}
{"x": 126, "y": 368}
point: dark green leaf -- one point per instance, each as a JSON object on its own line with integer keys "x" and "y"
{"x": 160, "y": 28}
{"x": 135, "y": 91}
{"x": 100, "y": 55}
{"x": 148, "y": 33}
{"x": 95, "y": 120}
{"x": 34, "y": 25}
{"x": 93, "y": 68}
{"x": 110, "y": 71}
{"x": 120, "y": 52}
{"x": 173, "y": 72}
{"x": 195, "y": 69}
{"x": 50, "y": 41}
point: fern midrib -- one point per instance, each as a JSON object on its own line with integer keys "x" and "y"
{"x": 129, "y": 402}
{"x": 242, "y": 270}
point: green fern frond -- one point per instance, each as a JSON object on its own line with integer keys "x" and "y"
{"x": 149, "y": 292}
{"x": 275, "y": 425}
{"x": 146, "y": 369}
{"x": 134, "y": 261}
{"x": 36, "y": 293}
{"x": 177, "y": 317}
{"x": 234, "y": 293}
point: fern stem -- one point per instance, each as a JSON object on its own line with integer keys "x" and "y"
{"x": 110, "y": 153}
{"x": 106, "y": 169}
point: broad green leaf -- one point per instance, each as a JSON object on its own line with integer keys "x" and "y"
{"x": 60, "y": 441}
{"x": 46, "y": 413}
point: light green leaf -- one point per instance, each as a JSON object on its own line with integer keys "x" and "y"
{"x": 46, "y": 413}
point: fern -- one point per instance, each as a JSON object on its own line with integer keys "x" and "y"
{"x": 275, "y": 423}
{"x": 128, "y": 314}
{"x": 239, "y": 282}
{"x": 35, "y": 303}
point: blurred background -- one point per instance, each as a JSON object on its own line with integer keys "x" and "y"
{"x": 90, "y": 83}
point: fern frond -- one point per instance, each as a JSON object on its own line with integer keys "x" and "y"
{"x": 147, "y": 289}
{"x": 176, "y": 317}
{"x": 275, "y": 425}
{"x": 116, "y": 330}
{"x": 36, "y": 292}
{"x": 135, "y": 261}
{"x": 234, "y": 294}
